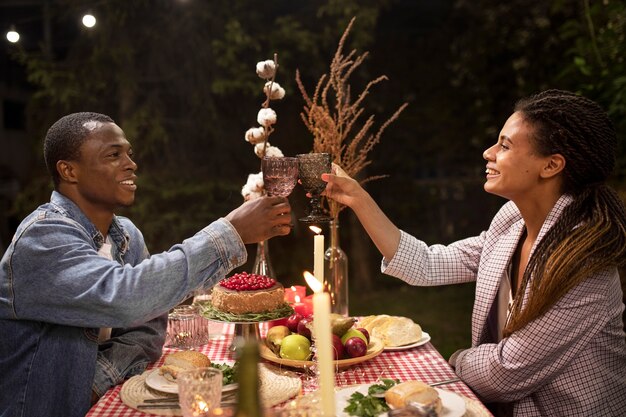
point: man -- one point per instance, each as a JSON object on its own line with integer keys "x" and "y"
{"x": 74, "y": 270}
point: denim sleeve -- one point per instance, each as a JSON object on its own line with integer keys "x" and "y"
{"x": 84, "y": 289}
{"x": 128, "y": 353}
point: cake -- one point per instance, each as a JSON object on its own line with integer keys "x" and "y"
{"x": 245, "y": 293}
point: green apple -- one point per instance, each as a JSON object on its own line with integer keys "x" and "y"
{"x": 295, "y": 347}
{"x": 353, "y": 333}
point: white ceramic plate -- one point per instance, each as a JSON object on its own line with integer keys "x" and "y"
{"x": 425, "y": 339}
{"x": 158, "y": 382}
{"x": 453, "y": 404}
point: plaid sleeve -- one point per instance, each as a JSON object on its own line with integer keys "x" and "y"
{"x": 419, "y": 264}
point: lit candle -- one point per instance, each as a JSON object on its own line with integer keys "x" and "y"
{"x": 318, "y": 253}
{"x": 293, "y": 292}
{"x": 323, "y": 344}
{"x": 304, "y": 307}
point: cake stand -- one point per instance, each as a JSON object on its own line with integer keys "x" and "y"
{"x": 245, "y": 331}
{"x": 245, "y": 328}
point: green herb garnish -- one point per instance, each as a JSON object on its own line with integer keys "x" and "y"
{"x": 381, "y": 388}
{"x": 229, "y": 373}
{"x": 211, "y": 313}
{"x": 360, "y": 405}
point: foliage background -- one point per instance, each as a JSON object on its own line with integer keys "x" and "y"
{"x": 179, "y": 78}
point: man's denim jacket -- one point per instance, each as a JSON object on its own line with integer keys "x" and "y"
{"x": 56, "y": 291}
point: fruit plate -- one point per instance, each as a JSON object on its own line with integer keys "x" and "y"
{"x": 374, "y": 349}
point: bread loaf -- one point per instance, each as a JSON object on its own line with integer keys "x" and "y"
{"x": 393, "y": 331}
{"x": 184, "y": 360}
{"x": 399, "y": 396}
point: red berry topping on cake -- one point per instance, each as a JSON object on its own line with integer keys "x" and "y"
{"x": 248, "y": 282}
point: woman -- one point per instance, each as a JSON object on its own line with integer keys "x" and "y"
{"x": 547, "y": 330}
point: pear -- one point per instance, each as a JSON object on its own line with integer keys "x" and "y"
{"x": 275, "y": 336}
{"x": 340, "y": 324}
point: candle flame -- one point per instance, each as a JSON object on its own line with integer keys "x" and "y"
{"x": 296, "y": 299}
{"x": 313, "y": 282}
{"x": 199, "y": 405}
{"x": 293, "y": 288}
{"x": 315, "y": 229}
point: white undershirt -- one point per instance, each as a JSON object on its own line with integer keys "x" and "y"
{"x": 105, "y": 251}
{"x": 505, "y": 301}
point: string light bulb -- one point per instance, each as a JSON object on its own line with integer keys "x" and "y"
{"x": 89, "y": 20}
{"x": 13, "y": 35}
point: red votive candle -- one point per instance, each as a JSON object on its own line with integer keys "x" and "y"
{"x": 304, "y": 307}
{"x": 293, "y": 292}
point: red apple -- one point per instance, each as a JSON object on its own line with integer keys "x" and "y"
{"x": 292, "y": 322}
{"x": 338, "y": 349}
{"x": 365, "y": 333}
{"x": 304, "y": 327}
{"x": 355, "y": 347}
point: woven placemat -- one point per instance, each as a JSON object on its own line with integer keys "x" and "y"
{"x": 277, "y": 386}
{"x": 135, "y": 391}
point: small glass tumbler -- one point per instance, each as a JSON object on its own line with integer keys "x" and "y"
{"x": 215, "y": 328}
{"x": 200, "y": 391}
{"x": 186, "y": 328}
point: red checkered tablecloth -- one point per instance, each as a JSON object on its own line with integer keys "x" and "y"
{"x": 420, "y": 363}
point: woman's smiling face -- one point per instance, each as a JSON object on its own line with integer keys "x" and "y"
{"x": 513, "y": 166}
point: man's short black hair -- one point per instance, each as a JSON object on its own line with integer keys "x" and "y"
{"x": 65, "y": 137}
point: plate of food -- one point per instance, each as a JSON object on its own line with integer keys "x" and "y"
{"x": 350, "y": 401}
{"x": 374, "y": 348}
{"x": 163, "y": 379}
{"x": 424, "y": 339}
{"x": 396, "y": 332}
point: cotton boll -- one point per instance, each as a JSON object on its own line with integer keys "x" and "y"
{"x": 256, "y": 181}
{"x": 266, "y": 117}
{"x": 255, "y": 135}
{"x": 266, "y": 69}
{"x": 277, "y": 92}
{"x": 253, "y": 187}
{"x": 273, "y": 152}
{"x": 260, "y": 148}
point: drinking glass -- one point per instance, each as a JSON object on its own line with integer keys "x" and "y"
{"x": 280, "y": 175}
{"x": 310, "y": 167}
{"x": 186, "y": 327}
{"x": 200, "y": 391}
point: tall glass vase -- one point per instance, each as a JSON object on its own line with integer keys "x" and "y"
{"x": 262, "y": 264}
{"x": 336, "y": 272}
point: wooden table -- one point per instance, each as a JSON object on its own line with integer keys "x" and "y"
{"x": 423, "y": 363}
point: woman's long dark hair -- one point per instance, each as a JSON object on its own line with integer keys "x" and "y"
{"x": 590, "y": 235}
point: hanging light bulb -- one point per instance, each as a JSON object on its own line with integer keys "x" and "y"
{"x": 89, "y": 20}
{"x": 12, "y": 35}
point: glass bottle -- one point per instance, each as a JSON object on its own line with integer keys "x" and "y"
{"x": 262, "y": 264}
{"x": 336, "y": 272}
{"x": 248, "y": 397}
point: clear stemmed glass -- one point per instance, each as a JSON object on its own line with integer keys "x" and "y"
{"x": 280, "y": 175}
{"x": 311, "y": 166}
